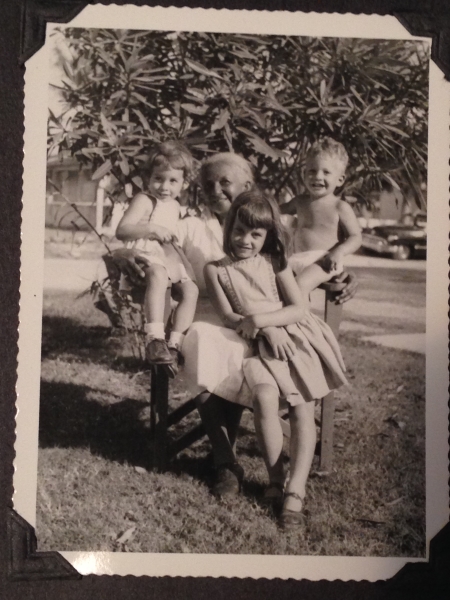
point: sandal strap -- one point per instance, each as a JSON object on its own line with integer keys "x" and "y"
{"x": 293, "y": 495}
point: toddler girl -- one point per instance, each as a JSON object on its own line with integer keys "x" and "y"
{"x": 149, "y": 225}
{"x": 297, "y": 357}
{"x": 327, "y": 229}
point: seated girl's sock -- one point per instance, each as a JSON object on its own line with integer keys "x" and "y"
{"x": 175, "y": 339}
{"x": 154, "y": 331}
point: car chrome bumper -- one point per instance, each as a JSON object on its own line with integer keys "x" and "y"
{"x": 378, "y": 244}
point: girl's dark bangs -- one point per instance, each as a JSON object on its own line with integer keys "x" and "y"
{"x": 255, "y": 216}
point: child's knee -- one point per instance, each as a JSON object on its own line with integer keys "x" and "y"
{"x": 156, "y": 273}
{"x": 302, "y": 414}
{"x": 189, "y": 291}
{"x": 265, "y": 399}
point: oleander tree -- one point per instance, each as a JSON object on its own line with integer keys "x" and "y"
{"x": 265, "y": 97}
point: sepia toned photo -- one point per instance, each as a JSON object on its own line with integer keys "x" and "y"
{"x": 231, "y": 331}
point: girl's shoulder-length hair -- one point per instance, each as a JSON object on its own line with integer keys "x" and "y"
{"x": 256, "y": 209}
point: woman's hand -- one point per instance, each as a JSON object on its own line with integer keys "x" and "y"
{"x": 160, "y": 234}
{"x": 351, "y": 286}
{"x": 247, "y": 329}
{"x": 130, "y": 264}
{"x": 282, "y": 345}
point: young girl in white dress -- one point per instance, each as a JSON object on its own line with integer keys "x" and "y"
{"x": 149, "y": 226}
{"x": 297, "y": 358}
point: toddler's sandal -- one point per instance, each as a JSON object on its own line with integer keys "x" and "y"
{"x": 292, "y": 518}
{"x": 177, "y": 361}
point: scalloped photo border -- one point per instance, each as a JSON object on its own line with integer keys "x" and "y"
{"x": 254, "y": 566}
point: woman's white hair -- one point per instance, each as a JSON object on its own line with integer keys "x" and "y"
{"x": 232, "y": 159}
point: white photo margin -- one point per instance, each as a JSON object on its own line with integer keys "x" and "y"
{"x": 34, "y": 180}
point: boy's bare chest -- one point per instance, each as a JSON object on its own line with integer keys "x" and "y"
{"x": 318, "y": 215}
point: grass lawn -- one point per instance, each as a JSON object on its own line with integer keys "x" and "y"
{"x": 94, "y": 492}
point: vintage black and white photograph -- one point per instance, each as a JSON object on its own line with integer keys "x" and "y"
{"x": 233, "y": 304}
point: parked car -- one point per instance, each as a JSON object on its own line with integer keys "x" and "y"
{"x": 401, "y": 241}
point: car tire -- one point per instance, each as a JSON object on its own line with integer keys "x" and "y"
{"x": 402, "y": 253}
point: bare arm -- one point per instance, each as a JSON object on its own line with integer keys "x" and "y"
{"x": 130, "y": 228}
{"x": 333, "y": 261}
{"x": 295, "y": 304}
{"x": 218, "y": 297}
{"x": 350, "y": 223}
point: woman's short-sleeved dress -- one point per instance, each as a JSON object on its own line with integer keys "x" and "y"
{"x": 213, "y": 354}
{"x": 317, "y": 366}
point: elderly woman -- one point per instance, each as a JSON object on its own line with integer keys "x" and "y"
{"x": 213, "y": 353}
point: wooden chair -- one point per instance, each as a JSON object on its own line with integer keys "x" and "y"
{"x": 161, "y": 419}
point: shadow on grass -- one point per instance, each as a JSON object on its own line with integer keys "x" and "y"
{"x": 68, "y": 419}
{"x": 90, "y": 343}
{"x": 200, "y": 465}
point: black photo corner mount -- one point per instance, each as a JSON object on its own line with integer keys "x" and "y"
{"x": 436, "y": 26}
{"x": 416, "y": 579}
{"x": 36, "y": 14}
{"x": 24, "y": 562}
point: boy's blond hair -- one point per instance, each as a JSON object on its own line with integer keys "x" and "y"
{"x": 330, "y": 147}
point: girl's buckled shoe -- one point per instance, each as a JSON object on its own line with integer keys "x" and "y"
{"x": 291, "y": 518}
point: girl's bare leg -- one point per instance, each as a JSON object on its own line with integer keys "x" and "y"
{"x": 185, "y": 311}
{"x": 156, "y": 280}
{"x": 302, "y": 445}
{"x": 268, "y": 429}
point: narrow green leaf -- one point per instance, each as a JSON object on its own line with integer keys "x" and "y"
{"x": 142, "y": 119}
{"x": 124, "y": 166}
{"x": 221, "y": 120}
{"x": 195, "y": 66}
{"x": 261, "y": 146}
{"x": 102, "y": 171}
{"x": 108, "y": 129}
{"x": 196, "y": 110}
{"x": 323, "y": 87}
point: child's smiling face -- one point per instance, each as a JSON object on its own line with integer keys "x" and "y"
{"x": 246, "y": 242}
{"x": 166, "y": 183}
{"x": 323, "y": 174}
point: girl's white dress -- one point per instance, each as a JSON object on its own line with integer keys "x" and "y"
{"x": 168, "y": 255}
{"x": 316, "y": 367}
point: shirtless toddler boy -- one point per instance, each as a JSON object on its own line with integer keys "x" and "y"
{"x": 327, "y": 229}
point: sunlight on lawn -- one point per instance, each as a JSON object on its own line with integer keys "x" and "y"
{"x": 94, "y": 492}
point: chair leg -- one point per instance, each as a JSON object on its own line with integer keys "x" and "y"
{"x": 333, "y": 315}
{"x": 186, "y": 440}
{"x": 179, "y": 413}
{"x": 159, "y": 395}
{"x": 326, "y": 433}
